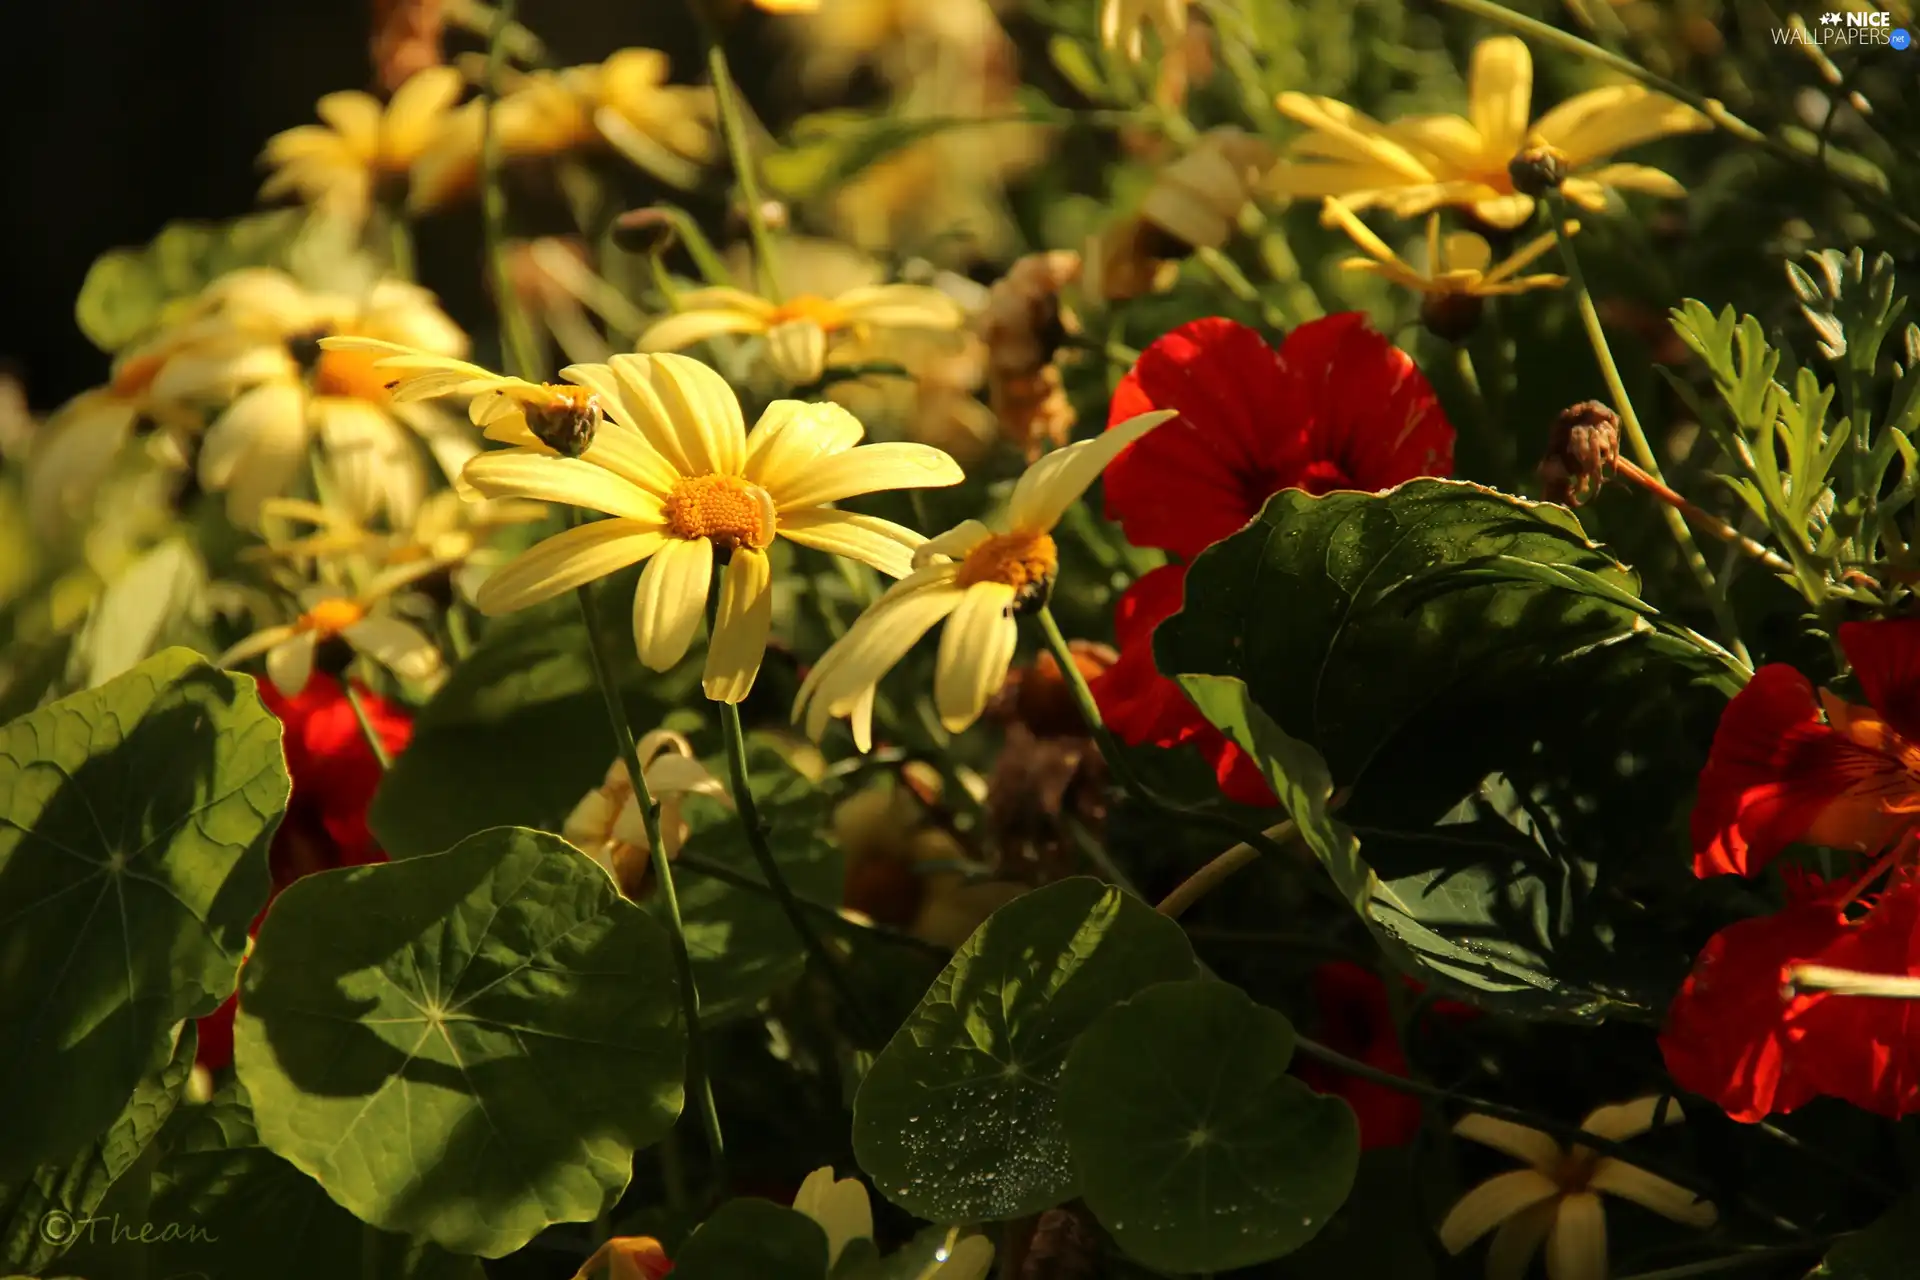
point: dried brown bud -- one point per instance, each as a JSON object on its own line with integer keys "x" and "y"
{"x": 1581, "y": 453}
{"x": 1538, "y": 170}
{"x": 1023, "y": 326}
{"x": 1066, "y": 1245}
{"x": 406, "y": 38}
{"x": 1038, "y": 696}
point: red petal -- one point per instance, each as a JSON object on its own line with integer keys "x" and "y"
{"x": 1366, "y": 407}
{"x": 1886, "y": 660}
{"x": 334, "y": 771}
{"x": 1778, "y": 774}
{"x": 1861, "y": 1048}
{"x": 214, "y": 1049}
{"x": 1728, "y": 1035}
{"x": 1356, "y": 1020}
{"x": 1196, "y": 479}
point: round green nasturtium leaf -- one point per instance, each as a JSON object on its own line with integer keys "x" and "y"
{"x": 1196, "y": 1149}
{"x": 956, "y": 1120}
{"x": 134, "y": 825}
{"x": 464, "y": 1047}
{"x": 756, "y": 1238}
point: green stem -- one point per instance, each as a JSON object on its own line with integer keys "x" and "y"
{"x": 399, "y": 240}
{"x": 699, "y": 1082}
{"x": 828, "y": 916}
{"x": 1712, "y": 108}
{"x": 734, "y": 129}
{"x": 1636, "y": 434}
{"x": 756, "y": 828}
{"x": 1116, "y": 756}
{"x": 365, "y": 721}
{"x": 516, "y": 333}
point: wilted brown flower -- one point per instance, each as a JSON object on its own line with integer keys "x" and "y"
{"x": 1048, "y": 766}
{"x": 1581, "y": 453}
{"x": 1023, "y": 327}
{"x": 406, "y": 39}
{"x": 908, "y": 869}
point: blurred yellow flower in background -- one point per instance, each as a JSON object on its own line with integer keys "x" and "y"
{"x": 1193, "y": 204}
{"x": 607, "y": 824}
{"x": 1422, "y": 162}
{"x": 363, "y": 151}
{"x": 333, "y": 613}
{"x": 666, "y": 454}
{"x": 1123, "y": 24}
{"x": 973, "y": 577}
{"x": 801, "y": 331}
{"x": 1459, "y": 263}
{"x": 1555, "y": 1201}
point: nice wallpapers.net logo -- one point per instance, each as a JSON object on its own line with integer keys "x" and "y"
{"x": 1851, "y": 28}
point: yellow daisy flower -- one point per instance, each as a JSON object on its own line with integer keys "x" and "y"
{"x": 1423, "y": 162}
{"x": 1456, "y": 264}
{"x": 447, "y": 533}
{"x": 657, "y": 443}
{"x": 329, "y": 613}
{"x": 800, "y": 330}
{"x": 976, "y": 579}
{"x": 341, "y": 166}
{"x": 624, "y": 103}
{"x": 607, "y": 825}
{"x": 844, "y": 1211}
{"x": 1123, "y": 24}
{"x": 1556, "y": 1200}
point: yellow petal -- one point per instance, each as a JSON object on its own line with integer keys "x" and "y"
{"x": 375, "y": 468}
{"x": 637, "y": 404}
{"x": 355, "y": 116}
{"x": 887, "y": 546}
{"x": 1635, "y": 177}
{"x": 566, "y": 560}
{"x": 1500, "y": 94}
{"x": 1051, "y": 485}
{"x": 792, "y": 435}
{"x": 901, "y": 306}
{"x": 953, "y": 544}
{"x": 414, "y": 113}
{"x": 1650, "y": 1191}
{"x": 1452, "y": 142}
{"x": 254, "y": 645}
{"x": 1517, "y": 1140}
{"x": 1518, "y": 1239}
{"x": 1492, "y": 1203}
{"x": 971, "y": 1259}
{"x": 852, "y": 665}
{"x": 1504, "y": 212}
{"x": 841, "y": 1208}
{"x": 1526, "y": 254}
{"x": 512, "y": 474}
{"x": 739, "y": 640}
{"x": 400, "y": 647}
{"x": 1465, "y": 251}
{"x": 1388, "y": 161}
{"x": 1623, "y": 1120}
{"x": 975, "y": 652}
{"x": 1335, "y": 214}
{"x": 670, "y": 600}
{"x": 797, "y": 350}
{"x": 290, "y": 663}
{"x": 703, "y": 412}
{"x": 1577, "y": 1244}
{"x": 1597, "y": 124}
{"x": 677, "y": 332}
{"x": 869, "y": 468}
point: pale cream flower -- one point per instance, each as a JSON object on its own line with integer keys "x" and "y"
{"x": 607, "y": 824}
{"x": 976, "y": 579}
{"x": 1423, "y": 162}
{"x": 1123, "y": 24}
{"x": 1556, "y": 1200}
{"x": 1194, "y": 203}
{"x": 624, "y": 103}
{"x": 801, "y": 331}
{"x": 341, "y": 166}
{"x": 844, "y": 1212}
{"x": 657, "y": 443}
{"x": 328, "y": 613}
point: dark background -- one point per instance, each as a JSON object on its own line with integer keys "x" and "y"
{"x": 118, "y": 116}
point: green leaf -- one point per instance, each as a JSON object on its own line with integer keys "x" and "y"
{"x": 53, "y": 1210}
{"x": 126, "y": 293}
{"x": 134, "y": 824}
{"x": 237, "y": 1209}
{"x": 1510, "y": 735}
{"x": 1195, "y": 1147}
{"x": 515, "y": 737}
{"x": 1884, "y": 1251}
{"x": 754, "y": 1238}
{"x": 464, "y": 1047}
{"x": 742, "y": 946}
{"x": 956, "y": 1118}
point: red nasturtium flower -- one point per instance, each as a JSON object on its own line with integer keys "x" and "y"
{"x": 1336, "y": 406}
{"x": 1356, "y": 1019}
{"x": 1792, "y": 765}
{"x": 334, "y": 775}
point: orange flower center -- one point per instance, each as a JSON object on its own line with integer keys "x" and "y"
{"x": 829, "y": 315}
{"x": 136, "y": 375}
{"x": 725, "y": 510}
{"x": 1022, "y": 559}
{"x": 351, "y": 375}
{"x": 331, "y": 617}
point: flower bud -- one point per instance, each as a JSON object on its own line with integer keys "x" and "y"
{"x": 1581, "y": 453}
{"x": 1451, "y": 316}
{"x": 1538, "y": 170}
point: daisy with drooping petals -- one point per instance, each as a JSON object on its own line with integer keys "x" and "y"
{"x": 1423, "y": 162}
{"x": 658, "y": 444}
{"x": 1336, "y": 407}
{"x": 1555, "y": 1201}
{"x": 330, "y": 613}
{"x": 607, "y": 824}
{"x": 363, "y": 149}
{"x": 800, "y": 331}
{"x": 1459, "y": 273}
{"x": 976, "y": 579}
{"x": 1790, "y": 765}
